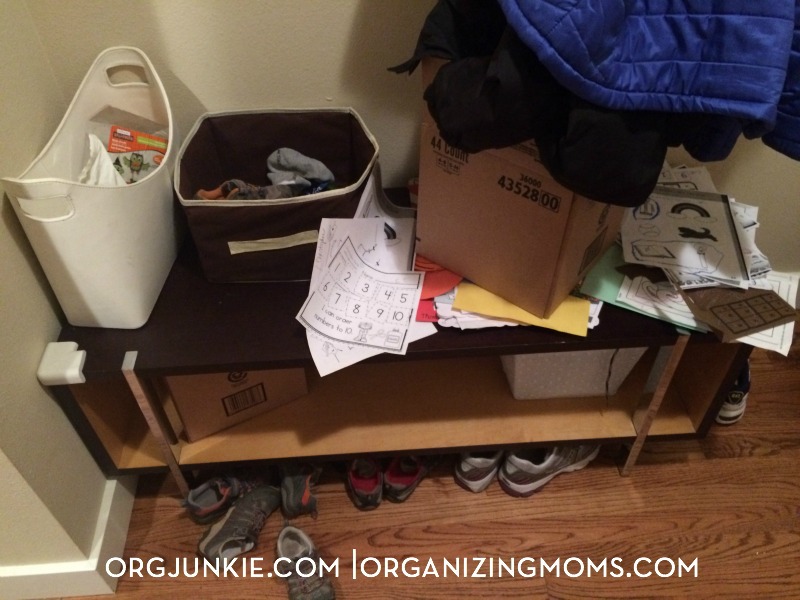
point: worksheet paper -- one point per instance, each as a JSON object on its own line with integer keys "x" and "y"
{"x": 660, "y": 300}
{"x": 756, "y": 261}
{"x": 691, "y": 232}
{"x": 778, "y": 339}
{"x": 371, "y": 312}
{"x": 357, "y": 304}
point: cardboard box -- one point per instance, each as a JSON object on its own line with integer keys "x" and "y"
{"x": 498, "y": 218}
{"x": 569, "y": 374}
{"x": 210, "y": 402}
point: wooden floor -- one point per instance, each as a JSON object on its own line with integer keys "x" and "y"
{"x": 727, "y": 504}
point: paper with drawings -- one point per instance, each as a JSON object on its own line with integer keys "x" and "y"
{"x": 757, "y": 264}
{"x": 778, "y": 339}
{"x": 659, "y": 300}
{"x": 390, "y": 252}
{"x": 690, "y": 232}
{"x": 358, "y": 305}
{"x": 390, "y": 229}
{"x": 699, "y": 179}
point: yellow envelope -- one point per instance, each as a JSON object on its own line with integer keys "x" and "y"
{"x": 572, "y": 315}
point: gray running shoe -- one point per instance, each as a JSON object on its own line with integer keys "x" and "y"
{"x": 475, "y": 470}
{"x": 212, "y": 499}
{"x": 526, "y": 471}
{"x": 305, "y": 577}
{"x": 237, "y": 532}
{"x": 297, "y": 483}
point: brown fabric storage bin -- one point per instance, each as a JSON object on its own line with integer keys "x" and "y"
{"x": 268, "y": 240}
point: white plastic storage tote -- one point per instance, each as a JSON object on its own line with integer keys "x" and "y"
{"x": 106, "y": 251}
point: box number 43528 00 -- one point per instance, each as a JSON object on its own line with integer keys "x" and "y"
{"x": 540, "y": 197}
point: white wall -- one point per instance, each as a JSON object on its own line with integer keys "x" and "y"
{"x": 38, "y": 442}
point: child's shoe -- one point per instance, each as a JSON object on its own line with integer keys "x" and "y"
{"x": 732, "y": 410}
{"x": 210, "y": 500}
{"x": 305, "y": 582}
{"x": 237, "y": 532}
{"x": 297, "y": 482}
{"x": 365, "y": 483}
{"x": 402, "y": 477}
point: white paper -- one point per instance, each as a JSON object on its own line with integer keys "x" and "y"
{"x": 384, "y": 249}
{"x": 454, "y": 317}
{"x": 699, "y": 179}
{"x": 693, "y": 234}
{"x": 594, "y": 313}
{"x": 329, "y": 354}
{"x": 659, "y": 300}
{"x": 692, "y": 178}
{"x": 99, "y": 168}
{"x": 356, "y": 304}
{"x": 778, "y": 339}
{"x": 746, "y": 227}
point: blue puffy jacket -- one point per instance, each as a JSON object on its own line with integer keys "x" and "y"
{"x": 737, "y": 58}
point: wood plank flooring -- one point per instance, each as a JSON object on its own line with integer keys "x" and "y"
{"x": 727, "y": 504}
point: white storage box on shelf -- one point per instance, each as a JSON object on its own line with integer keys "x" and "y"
{"x": 106, "y": 250}
{"x": 569, "y": 374}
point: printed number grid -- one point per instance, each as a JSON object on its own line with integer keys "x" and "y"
{"x": 752, "y": 312}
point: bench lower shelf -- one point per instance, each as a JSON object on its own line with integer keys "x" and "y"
{"x": 427, "y": 405}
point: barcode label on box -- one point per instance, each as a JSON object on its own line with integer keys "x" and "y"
{"x": 244, "y": 399}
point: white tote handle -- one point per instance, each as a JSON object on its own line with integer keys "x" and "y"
{"x": 127, "y": 73}
{"x": 47, "y": 210}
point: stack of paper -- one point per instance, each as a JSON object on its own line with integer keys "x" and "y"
{"x": 464, "y": 305}
{"x": 711, "y": 275}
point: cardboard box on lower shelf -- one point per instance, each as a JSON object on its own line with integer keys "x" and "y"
{"x": 210, "y": 402}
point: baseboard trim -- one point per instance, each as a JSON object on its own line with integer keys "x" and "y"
{"x": 84, "y": 577}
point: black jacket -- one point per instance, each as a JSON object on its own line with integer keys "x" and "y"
{"x": 494, "y": 92}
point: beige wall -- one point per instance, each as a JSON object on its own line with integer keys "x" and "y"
{"x": 218, "y": 55}
{"x": 38, "y": 444}
{"x": 215, "y": 55}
